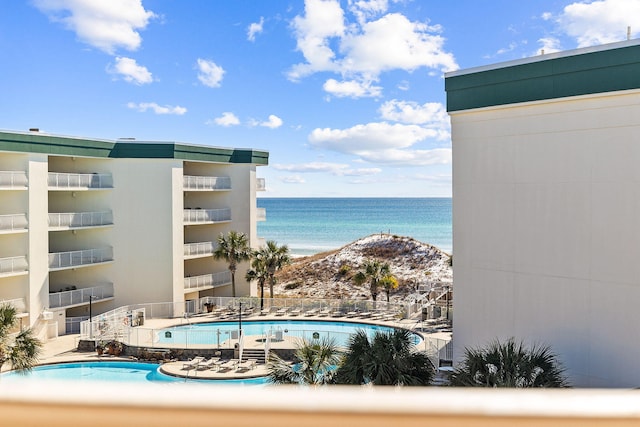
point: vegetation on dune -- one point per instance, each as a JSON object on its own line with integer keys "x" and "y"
{"x": 509, "y": 364}
{"x": 20, "y": 350}
{"x": 374, "y": 272}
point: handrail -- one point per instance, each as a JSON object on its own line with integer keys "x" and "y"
{"x": 80, "y": 219}
{"x": 13, "y": 264}
{"x": 13, "y": 179}
{"x": 79, "y": 296}
{"x": 18, "y": 303}
{"x": 83, "y": 257}
{"x": 260, "y": 184}
{"x": 207, "y": 215}
{"x": 200, "y": 248}
{"x": 213, "y": 279}
{"x": 80, "y": 180}
{"x": 207, "y": 182}
{"x": 14, "y": 222}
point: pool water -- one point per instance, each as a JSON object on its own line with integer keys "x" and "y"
{"x": 112, "y": 372}
{"x": 219, "y": 332}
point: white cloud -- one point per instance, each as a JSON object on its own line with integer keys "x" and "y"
{"x": 352, "y": 89}
{"x": 431, "y": 115}
{"x": 106, "y": 25}
{"x": 227, "y": 119}
{"x": 337, "y": 169}
{"x": 360, "y": 51}
{"x": 396, "y": 157}
{"x": 293, "y": 179}
{"x": 598, "y": 22}
{"x": 254, "y": 28}
{"x": 548, "y": 45}
{"x": 209, "y": 74}
{"x": 130, "y": 71}
{"x": 158, "y": 109}
{"x": 272, "y": 122}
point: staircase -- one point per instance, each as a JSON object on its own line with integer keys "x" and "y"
{"x": 253, "y": 353}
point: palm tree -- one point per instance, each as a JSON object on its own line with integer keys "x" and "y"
{"x": 374, "y": 271}
{"x": 274, "y": 257}
{"x": 388, "y": 283}
{"x": 316, "y": 363}
{"x": 390, "y": 358}
{"x": 20, "y": 351}
{"x": 509, "y": 364}
{"x": 234, "y": 249}
{"x": 258, "y": 271}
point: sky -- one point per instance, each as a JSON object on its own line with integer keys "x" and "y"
{"x": 346, "y": 96}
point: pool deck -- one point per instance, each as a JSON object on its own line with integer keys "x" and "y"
{"x": 64, "y": 348}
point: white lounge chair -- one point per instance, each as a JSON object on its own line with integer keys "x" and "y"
{"x": 325, "y": 312}
{"x": 206, "y": 364}
{"x": 282, "y": 311}
{"x": 230, "y": 364}
{"x": 312, "y": 312}
{"x": 247, "y": 364}
{"x": 295, "y": 312}
{"x": 193, "y": 363}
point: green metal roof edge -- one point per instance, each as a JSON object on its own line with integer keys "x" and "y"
{"x": 68, "y": 146}
{"x": 559, "y": 77}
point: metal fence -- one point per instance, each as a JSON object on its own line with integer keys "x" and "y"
{"x": 14, "y": 264}
{"x": 206, "y": 215}
{"x": 222, "y": 278}
{"x": 207, "y": 182}
{"x": 84, "y": 257}
{"x": 13, "y": 222}
{"x": 80, "y": 180}
{"x": 79, "y": 296}
{"x": 201, "y": 248}
{"x": 13, "y": 179}
{"x": 80, "y": 219}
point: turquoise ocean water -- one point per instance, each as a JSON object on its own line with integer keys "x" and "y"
{"x": 312, "y": 225}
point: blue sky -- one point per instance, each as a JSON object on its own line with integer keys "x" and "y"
{"x": 347, "y": 96}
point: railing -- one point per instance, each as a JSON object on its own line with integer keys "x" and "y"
{"x": 80, "y": 219}
{"x": 80, "y": 296}
{"x": 206, "y": 215}
{"x": 73, "y": 324}
{"x": 208, "y": 280}
{"x": 18, "y": 303}
{"x": 13, "y": 222}
{"x": 207, "y": 182}
{"x": 16, "y": 264}
{"x": 260, "y": 184}
{"x": 80, "y": 180}
{"x": 201, "y": 248}
{"x": 76, "y": 258}
{"x": 13, "y": 179}
{"x": 261, "y": 214}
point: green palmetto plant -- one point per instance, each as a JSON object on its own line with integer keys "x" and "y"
{"x": 234, "y": 249}
{"x": 389, "y": 358}
{"x": 509, "y": 364}
{"x": 21, "y": 350}
{"x": 389, "y": 283}
{"x": 373, "y": 271}
{"x": 315, "y": 364}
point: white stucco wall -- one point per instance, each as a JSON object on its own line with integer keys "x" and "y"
{"x": 546, "y": 202}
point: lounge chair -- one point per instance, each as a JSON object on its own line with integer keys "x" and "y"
{"x": 229, "y": 364}
{"x": 295, "y": 312}
{"x": 325, "y": 312}
{"x": 193, "y": 363}
{"x": 352, "y": 314}
{"x": 246, "y": 365}
{"x": 206, "y": 364}
{"x": 312, "y": 312}
{"x": 282, "y": 311}
{"x": 337, "y": 313}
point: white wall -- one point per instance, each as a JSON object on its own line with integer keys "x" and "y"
{"x": 547, "y": 231}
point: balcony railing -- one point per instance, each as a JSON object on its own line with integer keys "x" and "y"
{"x": 13, "y": 179}
{"x": 201, "y": 248}
{"x": 65, "y": 181}
{"x": 14, "y": 222}
{"x": 207, "y": 183}
{"x": 80, "y": 219}
{"x": 59, "y": 260}
{"x": 16, "y": 264}
{"x": 18, "y": 303}
{"x": 260, "y": 184}
{"x": 80, "y": 296}
{"x": 206, "y": 215}
{"x": 208, "y": 280}
{"x": 261, "y": 214}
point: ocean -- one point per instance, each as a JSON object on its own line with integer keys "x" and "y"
{"x": 312, "y": 225}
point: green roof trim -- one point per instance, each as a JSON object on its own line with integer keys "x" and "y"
{"x": 66, "y": 146}
{"x": 599, "y": 71}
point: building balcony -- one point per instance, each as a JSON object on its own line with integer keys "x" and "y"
{"x": 13, "y": 180}
{"x": 72, "y": 220}
{"x": 206, "y": 216}
{"x": 207, "y": 183}
{"x": 83, "y": 258}
{"x": 13, "y": 266}
{"x": 19, "y": 304}
{"x": 260, "y": 184}
{"x": 79, "y": 297}
{"x": 199, "y": 250}
{"x": 79, "y": 181}
{"x": 261, "y": 214}
{"x": 207, "y": 281}
{"x": 14, "y": 223}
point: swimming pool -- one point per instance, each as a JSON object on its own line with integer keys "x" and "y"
{"x": 113, "y": 372}
{"x": 218, "y": 332}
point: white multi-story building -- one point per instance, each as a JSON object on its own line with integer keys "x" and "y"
{"x": 546, "y": 208}
{"x": 94, "y": 224}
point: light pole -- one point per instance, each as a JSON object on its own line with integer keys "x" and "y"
{"x": 240, "y": 319}
{"x": 91, "y": 298}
